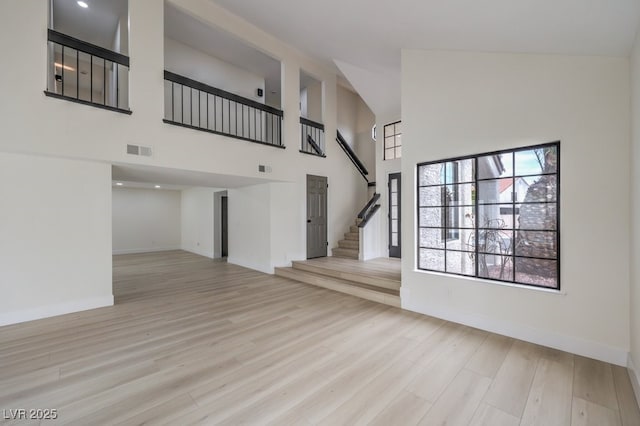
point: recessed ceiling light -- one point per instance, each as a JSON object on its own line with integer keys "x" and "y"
{"x": 83, "y": 4}
{"x": 157, "y": 186}
{"x": 119, "y": 183}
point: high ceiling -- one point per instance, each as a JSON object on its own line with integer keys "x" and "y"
{"x": 370, "y": 34}
{"x": 95, "y": 24}
{"x": 364, "y": 38}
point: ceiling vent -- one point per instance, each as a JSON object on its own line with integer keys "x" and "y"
{"x": 145, "y": 151}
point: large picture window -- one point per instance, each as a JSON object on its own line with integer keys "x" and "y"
{"x": 492, "y": 216}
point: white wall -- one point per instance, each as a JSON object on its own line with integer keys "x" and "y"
{"x": 249, "y": 227}
{"x": 145, "y": 220}
{"x": 458, "y": 103}
{"x": 198, "y": 221}
{"x": 189, "y": 62}
{"x": 634, "y": 358}
{"x": 55, "y": 237}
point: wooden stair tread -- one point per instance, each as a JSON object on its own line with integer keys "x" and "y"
{"x": 365, "y": 291}
{"x": 350, "y": 271}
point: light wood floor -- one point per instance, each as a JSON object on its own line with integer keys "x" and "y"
{"x": 192, "y": 341}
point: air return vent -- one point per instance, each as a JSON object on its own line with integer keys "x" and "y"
{"x": 139, "y": 150}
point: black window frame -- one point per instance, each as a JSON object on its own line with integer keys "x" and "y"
{"x": 394, "y": 135}
{"x": 513, "y": 204}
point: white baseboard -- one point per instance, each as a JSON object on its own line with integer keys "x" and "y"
{"x": 204, "y": 253}
{"x": 54, "y": 310}
{"x": 144, "y": 250}
{"x": 634, "y": 375}
{"x": 575, "y": 345}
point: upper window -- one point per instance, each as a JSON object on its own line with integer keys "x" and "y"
{"x": 492, "y": 216}
{"x": 392, "y": 141}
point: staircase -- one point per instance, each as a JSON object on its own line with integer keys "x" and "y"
{"x": 349, "y": 247}
{"x": 347, "y": 276}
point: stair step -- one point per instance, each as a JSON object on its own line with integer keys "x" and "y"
{"x": 380, "y": 295}
{"x": 352, "y": 236}
{"x": 358, "y": 221}
{"x": 345, "y": 252}
{"x": 362, "y": 278}
{"x": 350, "y": 244}
{"x": 354, "y": 228}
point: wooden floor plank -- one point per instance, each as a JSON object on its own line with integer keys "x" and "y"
{"x": 196, "y": 341}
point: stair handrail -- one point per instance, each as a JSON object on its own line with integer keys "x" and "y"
{"x": 369, "y": 215}
{"x": 371, "y": 202}
{"x": 369, "y": 210}
{"x": 315, "y": 146}
{"x": 351, "y": 155}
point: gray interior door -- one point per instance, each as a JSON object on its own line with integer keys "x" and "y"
{"x": 394, "y": 215}
{"x": 316, "y": 216}
{"x": 224, "y": 216}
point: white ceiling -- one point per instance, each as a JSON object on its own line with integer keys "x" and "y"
{"x": 216, "y": 42}
{"x": 96, "y": 24}
{"x": 369, "y": 35}
{"x": 177, "y": 178}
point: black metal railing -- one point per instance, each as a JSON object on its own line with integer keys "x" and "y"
{"x": 85, "y": 73}
{"x": 190, "y": 103}
{"x": 369, "y": 210}
{"x": 312, "y": 137}
{"x": 352, "y": 155}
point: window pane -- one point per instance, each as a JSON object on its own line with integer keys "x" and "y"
{"x": 460, "y": 195}
{"x": 496, "y": 216}
{"x": 536, "y": 216}
{"x": 495, "y": 166}
{"x": 537, "y": 271}
{"x": 398, "y": 127}
{"x": 537, "y": 188}
{"x": 537, "y": 244}
{"x": 536, "y": 161}
{"x": 388, "y": 154}
{"x": 497, "y": 241}
{"x": 394, "y": 198}
{"x": 398, "y": 140}
{"x": 459, "y": 239}
{"x": 388, "y": 130}
{"x": 431, "y": 238}
{"x": 495, "y": 191}
{"x": 459, "y": 217}
{"x": 431, "y": 196}
{"x": 399, "y": 152}
{"x": 431, "y": 259}
{"x": 430, "y": 174}
{"x": 394, "y": 239}
{"x": 459, "y": 262}
{"x": 495, "y": 266}
{"x": 394, "y": 185}
{"x": 431, "y": 216}
{"x": 394, "y": 225}
{"x": 388, "y": 142}
{"x": 394, "y": 212}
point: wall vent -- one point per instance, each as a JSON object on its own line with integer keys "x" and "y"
{"x": 264, "y": 169}
{"x": 145, "y": 151}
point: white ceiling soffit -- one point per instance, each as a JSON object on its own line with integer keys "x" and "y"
{"x": 95, "y": 24}
{"x": 370, "y": 34}
{"x": 381, "y": 92}
{"x": 179, "y": 178}
{"x": 216, "y": 42}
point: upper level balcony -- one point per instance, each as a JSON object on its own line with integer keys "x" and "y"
{"x": 87, "y": 61}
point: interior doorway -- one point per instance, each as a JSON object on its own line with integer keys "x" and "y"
{"x": 224, "y": 227}
{"x": 316, "y": 216}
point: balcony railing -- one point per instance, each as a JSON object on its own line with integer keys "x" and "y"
{"x": 312, "y": 137}
{"x": 86, "y": 73}
{"x": 189, "y": 103}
